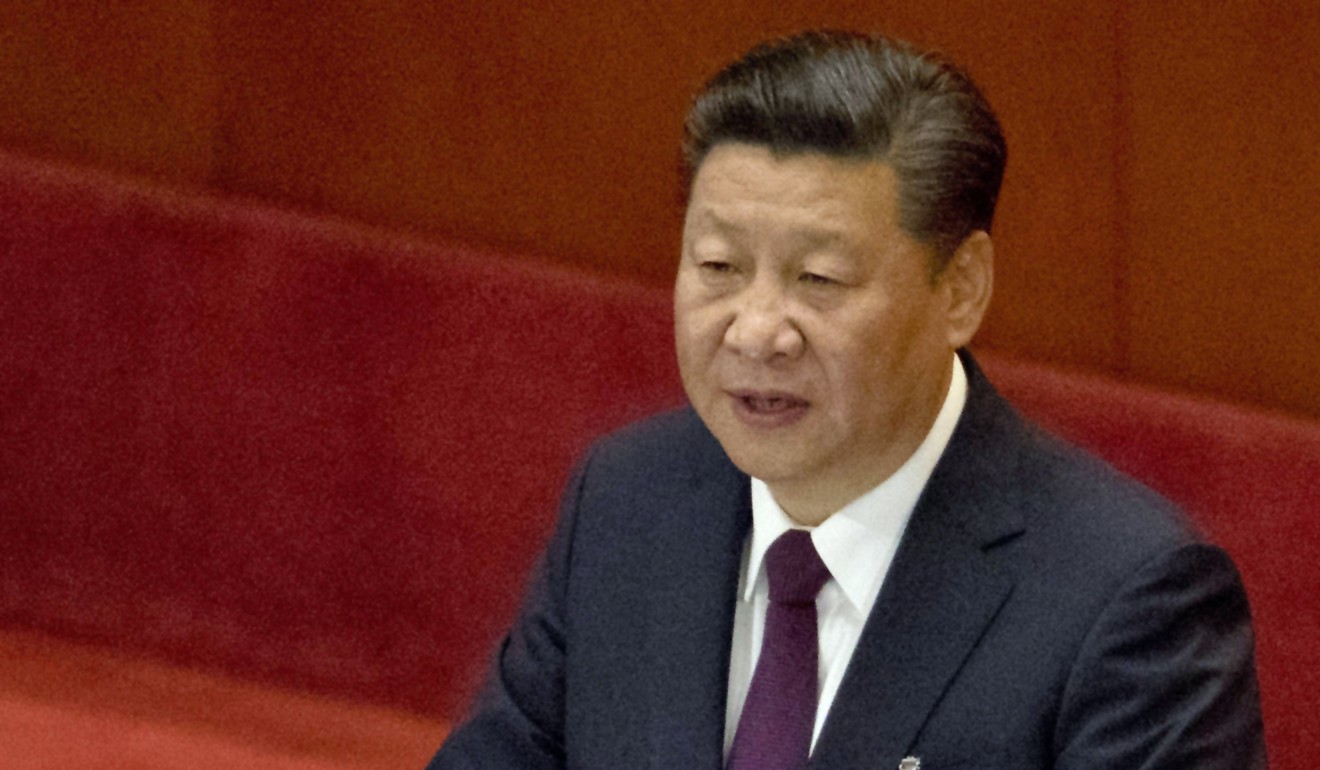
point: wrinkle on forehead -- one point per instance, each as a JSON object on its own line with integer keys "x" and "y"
{"x": 745, "y": 191}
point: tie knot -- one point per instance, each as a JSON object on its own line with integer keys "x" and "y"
{"x": 795, "y": 570}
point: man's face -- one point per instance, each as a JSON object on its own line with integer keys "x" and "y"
{"x": 811, "y": 337}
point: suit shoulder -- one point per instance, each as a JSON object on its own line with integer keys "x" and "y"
{"x": 1087, "y": 485}
{"x": 675, "y": 441}
{"x": 1088, "y": 519}
{"x": 1023, "y": 476}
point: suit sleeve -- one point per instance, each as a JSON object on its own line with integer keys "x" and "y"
{"x": 1166, "y": 678}
{"x": 518, "y": 720}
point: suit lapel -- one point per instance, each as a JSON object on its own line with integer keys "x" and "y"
{"x": 698, "y": 546}
{"x": 941, "y": 593}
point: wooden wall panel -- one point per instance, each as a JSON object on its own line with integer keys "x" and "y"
{"x": 554, "y": 127}
{"x": 1050, "y": 70}
{"x": 1223, "y": 199}
{"x": 1153, "y": 222}
{"x": 130, "y": 85}
{"x": 528, "y": 126}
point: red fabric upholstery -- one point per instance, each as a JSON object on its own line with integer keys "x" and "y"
{"x": 69, "y": 705}
{"x": 286, "y": 448}
{"x": 318, "y": 457}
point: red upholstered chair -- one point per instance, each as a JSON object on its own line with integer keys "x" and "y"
{"x": 280, "y": 449}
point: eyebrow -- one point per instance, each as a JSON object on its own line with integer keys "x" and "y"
{"x": 813, "y": 238}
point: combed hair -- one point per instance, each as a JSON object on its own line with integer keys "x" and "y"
{"x": 849, "y": 95}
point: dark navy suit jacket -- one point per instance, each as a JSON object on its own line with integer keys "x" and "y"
{"x": 1042, "y": 611}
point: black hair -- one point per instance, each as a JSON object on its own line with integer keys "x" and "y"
{"x": 850, "y": 95}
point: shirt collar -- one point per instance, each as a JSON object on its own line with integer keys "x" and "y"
{"x": 849, "y": 539}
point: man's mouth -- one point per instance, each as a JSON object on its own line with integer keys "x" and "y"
{"x": 772, "y": 404}
{"x": 768, "y": 408}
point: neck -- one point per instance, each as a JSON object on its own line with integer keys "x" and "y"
{"x": 811, "y": 503}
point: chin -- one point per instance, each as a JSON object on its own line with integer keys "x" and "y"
{"x": 762, "y": 459}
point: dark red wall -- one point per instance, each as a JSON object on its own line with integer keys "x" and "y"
{"x": 1156, "y": 221}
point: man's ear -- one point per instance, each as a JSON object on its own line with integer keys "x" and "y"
{"x": 968, "y": 281}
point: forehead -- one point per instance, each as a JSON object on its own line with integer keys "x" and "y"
{"x": 741, "y": 187}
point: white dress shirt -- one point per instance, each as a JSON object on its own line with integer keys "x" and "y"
{"x": 857, "y": 543}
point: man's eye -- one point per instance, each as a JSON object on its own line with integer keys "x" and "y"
{"x": 816, "y": 279}
{"x": 716, "y": 266}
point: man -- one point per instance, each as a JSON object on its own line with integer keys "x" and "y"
{"x": 851, "y": 549}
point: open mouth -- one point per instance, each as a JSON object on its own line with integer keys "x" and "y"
{"x": 768, "y": 409}
{"x": 771, "y": 404}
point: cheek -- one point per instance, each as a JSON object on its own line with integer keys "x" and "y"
{"x": 856, "y": 367}
{"x": 697, "y": 329}
{"x": 693, "y": 348}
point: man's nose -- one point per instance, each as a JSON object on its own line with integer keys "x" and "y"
{"x": 762, "y": 327}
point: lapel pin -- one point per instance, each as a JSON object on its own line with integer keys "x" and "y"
{"x": 910, "y": 763}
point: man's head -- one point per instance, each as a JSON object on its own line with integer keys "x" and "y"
{"x": 835, "y": 254}
{"x": 847, "y": 95}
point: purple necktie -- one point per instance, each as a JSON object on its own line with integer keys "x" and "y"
{"x": 774, "y": 731}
